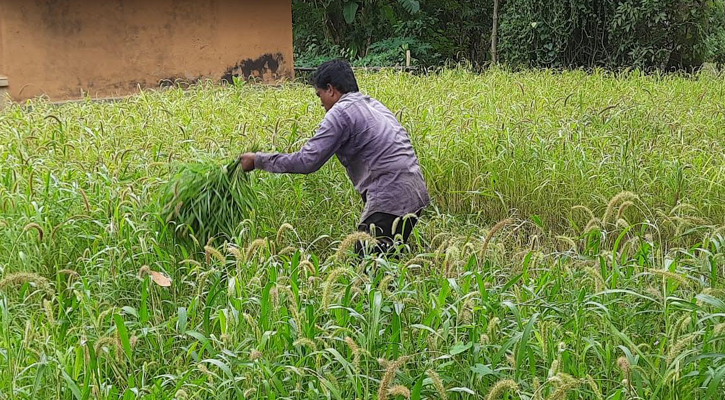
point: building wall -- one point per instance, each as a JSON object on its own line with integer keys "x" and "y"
{"x": 65, "y": 48}
{"x": 3, "y": 80}
{"x": 2, "y": 53}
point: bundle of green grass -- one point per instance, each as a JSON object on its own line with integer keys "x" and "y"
{"x": 204, "y": 200}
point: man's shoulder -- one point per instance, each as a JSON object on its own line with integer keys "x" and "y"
{"x": 352, "y": 107}
{"x": 339, "y": 113}
{"x": 343, "y": 106}
{"x": 351, "y": 98}
{"x": 357, "y": 99}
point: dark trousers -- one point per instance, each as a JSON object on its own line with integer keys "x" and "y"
{"x": 387, "y": 239}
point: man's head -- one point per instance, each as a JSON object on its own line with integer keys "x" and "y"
{"x": 332, "y": 80}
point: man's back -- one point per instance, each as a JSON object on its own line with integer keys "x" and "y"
{"x": 379, "y": 157}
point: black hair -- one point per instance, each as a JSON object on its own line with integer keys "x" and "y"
{"x": 337, "y": 73}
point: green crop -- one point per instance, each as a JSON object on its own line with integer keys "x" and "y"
{"x": 207, "y": 200}
{"x": 574, "y": 247}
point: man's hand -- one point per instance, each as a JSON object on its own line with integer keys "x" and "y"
{"x": 247, "y": 161}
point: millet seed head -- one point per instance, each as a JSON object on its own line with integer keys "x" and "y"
{"x": 502, "y": 387}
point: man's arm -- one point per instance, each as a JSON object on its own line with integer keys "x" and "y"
{"x": 333, "y": 132}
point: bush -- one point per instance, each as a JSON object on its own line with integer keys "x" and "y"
{"x": 648, "y": 34}
{"x": 662, "y": 34}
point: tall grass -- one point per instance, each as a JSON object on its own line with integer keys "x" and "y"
{"x": 574, "y": 249}
{"x": 204, "y": 200}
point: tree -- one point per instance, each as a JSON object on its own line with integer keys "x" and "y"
{"x": 494, "y": 34}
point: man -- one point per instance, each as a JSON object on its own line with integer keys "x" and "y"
{"x": 371, "y": 144}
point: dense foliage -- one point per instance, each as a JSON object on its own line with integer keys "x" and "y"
{"x": 663, "y": 34}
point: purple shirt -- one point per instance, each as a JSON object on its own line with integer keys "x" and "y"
{"x": 374, "y": 148}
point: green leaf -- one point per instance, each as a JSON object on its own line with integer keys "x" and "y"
{"x": 349, "y": 9}
{"x": 332, "y": 388}
{"x": 712, "y": 388}
{"x": 425, "y": 327}
{"x": 224, "y": 367}
{"x": 537, "y": 221}
{"x": 123, "y": 335}
{"x": 376, "y": 309}
{"x": 411, "y": 6}
{"x": 130, "y": 311}
{"x": 462, "y": 390}
{"x": 181, "y": 322}
{"x": 72, "y": 386}
{"x": 524, "y": 343}
{"x": 713, "y": 301}
{"x": 143, "y": 311}
{"x": 42, "y": 366}
{"x": 198, "y": 336}
{"x": 511, "y": 282}
{"x": 482, "y": 370}
{"x": 415, "y": 394}
{"x": 459, "y": 348}
{"x": 389, "y": 14}
{"x": 345, "y": 364}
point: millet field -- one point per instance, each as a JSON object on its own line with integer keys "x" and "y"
{"x": 574, "y": 247}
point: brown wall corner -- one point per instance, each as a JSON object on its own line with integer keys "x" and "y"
{"x": 65, "y": 49}
{"x": 3, "y": 91}
{"x": 2, "y": 44}
{"x": 3, "y": 79}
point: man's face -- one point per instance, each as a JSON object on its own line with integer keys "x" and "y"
{"x": 328, "y": 96}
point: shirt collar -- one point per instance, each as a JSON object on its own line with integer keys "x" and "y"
{"x": 349, "y": 95}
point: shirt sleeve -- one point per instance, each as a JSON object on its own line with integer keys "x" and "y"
{"x": 331, "y": 134}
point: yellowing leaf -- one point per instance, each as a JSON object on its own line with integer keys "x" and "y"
{"x": 160, "y": 279}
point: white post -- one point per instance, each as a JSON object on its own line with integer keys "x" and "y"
{"x": 407, "y": 58}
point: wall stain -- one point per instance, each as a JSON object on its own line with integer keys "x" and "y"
{"x": 59, "y": 17}
{"x": 257, "y": 68}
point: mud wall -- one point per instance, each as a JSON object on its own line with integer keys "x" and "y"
{"x": 67, "y": 48}
{"x": 2, "y": 52}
